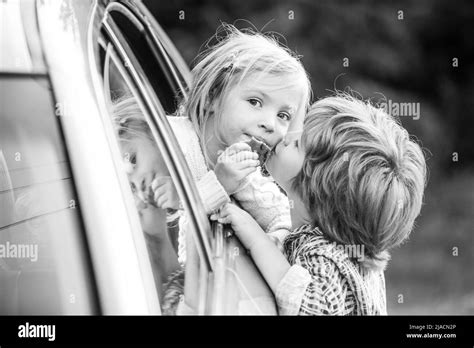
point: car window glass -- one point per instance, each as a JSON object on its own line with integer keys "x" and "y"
{"x": 150, "y": 60}
{"x": 149, "y": 180}
{"x": 43, "y": 254}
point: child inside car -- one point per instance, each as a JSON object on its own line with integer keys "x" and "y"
{"x": 246, "y": 89}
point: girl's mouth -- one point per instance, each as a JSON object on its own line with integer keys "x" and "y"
{"x": 261, "y": 148}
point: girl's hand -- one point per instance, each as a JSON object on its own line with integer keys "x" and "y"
{"x": 234, "y": 165}
{"x": 164, "y": 193}
{"x": 244, "y": 225}
{"x": 152, "y": 219}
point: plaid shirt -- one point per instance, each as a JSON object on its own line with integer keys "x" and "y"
{"x": 324, "y": 281}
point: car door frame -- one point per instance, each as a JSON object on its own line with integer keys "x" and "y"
{"x": 164, "y": 138}
{"x": 224, "y": 250}
{"x": 123, "y": 275}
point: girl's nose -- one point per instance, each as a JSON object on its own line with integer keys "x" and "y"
{"x": 268, "y": 123}
{"x": 139, "y": 203}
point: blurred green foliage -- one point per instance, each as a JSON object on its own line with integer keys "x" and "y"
{"x": 407, "y": 60}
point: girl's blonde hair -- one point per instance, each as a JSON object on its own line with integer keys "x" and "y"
{"x": 362, "y": 178}
{"x": 130, "y": 124}
{"x": 128, "y": 119}
{"x": 235, "y": 56}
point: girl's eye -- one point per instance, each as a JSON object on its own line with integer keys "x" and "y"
{"x": 296, "y": 143}
{"x": 133, "y": 187}
{"x": 284, "y": 116}
{"x": 255, "y": 102}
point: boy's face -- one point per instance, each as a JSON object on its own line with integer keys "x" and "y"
{"x": 259, "y": 107}
{"x": 287, "y": 160}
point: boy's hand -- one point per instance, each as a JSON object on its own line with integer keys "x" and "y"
{"x": 164, "y": 193}
{"x": 244, "y": 225}
{"x": 234, "y": 165}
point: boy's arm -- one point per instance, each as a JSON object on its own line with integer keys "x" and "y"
{"x": 269, "y": 259}
{"x": 297, "y": 291}
{"x": 266, "y": 255}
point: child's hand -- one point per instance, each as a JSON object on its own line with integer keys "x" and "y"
{"x": 164, "y": 193}
{"x": 244, "y": 225}
{"x": 234, "y": 165}
{"x": 151, "y": 219}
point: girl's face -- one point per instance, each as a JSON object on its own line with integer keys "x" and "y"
{"x": 260, "y": 107}
{"x": 287, "y": 160}
{"x": 143, "y": 164}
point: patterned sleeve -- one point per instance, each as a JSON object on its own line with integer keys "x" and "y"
{"x": 320, "y": 291}
{"x": 262, "y": 199}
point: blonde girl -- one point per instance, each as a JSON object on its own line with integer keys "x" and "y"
{"x": 143, "y": 164}
{"x": 246, "y": 85}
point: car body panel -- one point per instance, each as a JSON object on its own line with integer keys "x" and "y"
{"x": 127, "y": 287}
{"x": 15, "y": 55}
{"x": 39, "y": 208}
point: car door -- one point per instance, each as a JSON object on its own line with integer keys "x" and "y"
{"x": 135, "y": 58}
{"x": 45, "y": 264}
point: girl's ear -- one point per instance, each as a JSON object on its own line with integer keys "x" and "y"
{"x": 211, "y": 107}
{"x": 297, "y": 122}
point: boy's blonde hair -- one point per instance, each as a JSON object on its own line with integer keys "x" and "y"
{"x": 234, "y": 57}
{"x": 362, "y": 178}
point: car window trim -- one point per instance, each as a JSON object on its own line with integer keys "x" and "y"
{"x": 138, "y": 237}
{"x": 160, "y": 55}
{"x": 179, "y": 64}
{"x": 153, "y": 115}
{"x": 21, "y": 74}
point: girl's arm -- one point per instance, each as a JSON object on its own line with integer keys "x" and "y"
{"x": 211, "y": 191}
